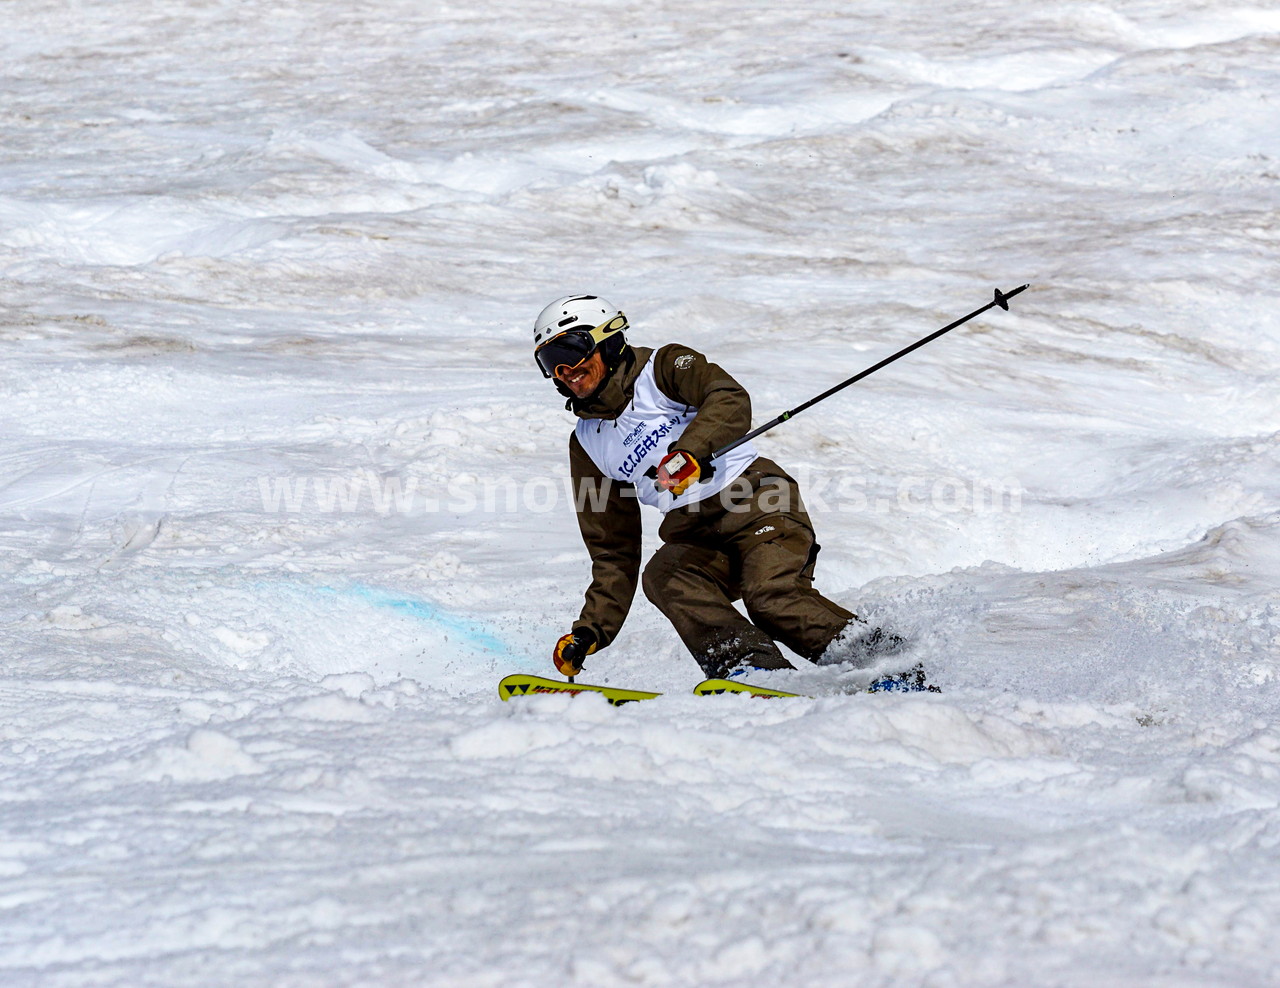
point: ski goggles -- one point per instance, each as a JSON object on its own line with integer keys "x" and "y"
{"x": 572, "y": 347}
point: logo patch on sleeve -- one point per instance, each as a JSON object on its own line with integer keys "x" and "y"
{"x": 684, "y": 361}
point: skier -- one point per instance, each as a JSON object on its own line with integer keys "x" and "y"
{"x": 648, "y": 421}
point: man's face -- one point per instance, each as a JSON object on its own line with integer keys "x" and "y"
{"x": 585, "y": 378}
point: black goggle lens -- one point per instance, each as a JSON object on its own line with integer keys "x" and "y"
{"x": 567, "y": 349}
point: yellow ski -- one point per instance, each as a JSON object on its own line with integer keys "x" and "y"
{"x": 712, "y": 687}
{"x": 524, "y": 685}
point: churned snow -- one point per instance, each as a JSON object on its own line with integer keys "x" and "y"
{"x": 281, "y": 491}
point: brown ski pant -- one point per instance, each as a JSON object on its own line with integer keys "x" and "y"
{"x": 753, "y": 541}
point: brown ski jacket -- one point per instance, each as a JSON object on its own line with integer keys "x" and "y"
{"x": 608, "y": 511}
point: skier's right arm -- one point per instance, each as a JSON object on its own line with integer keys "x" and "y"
{"x": 609, "y": 519}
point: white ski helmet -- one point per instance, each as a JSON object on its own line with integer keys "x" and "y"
{"x": 593, "y": 322}
{"x": 574, "y": 312}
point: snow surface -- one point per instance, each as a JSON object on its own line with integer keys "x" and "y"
{"x": 253, "y": 250}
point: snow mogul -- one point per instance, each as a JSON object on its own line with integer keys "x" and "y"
{"x": 648, "y": 422}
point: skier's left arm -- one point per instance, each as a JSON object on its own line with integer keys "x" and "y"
{"x": 612, "y": 533}
{"x": 724, "y": 407}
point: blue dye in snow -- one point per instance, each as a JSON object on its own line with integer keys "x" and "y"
{"x": 466, "y": 631}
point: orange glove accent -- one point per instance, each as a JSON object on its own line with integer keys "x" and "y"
{"x": 571, "y": 649}
{"x": 678, "y": 471}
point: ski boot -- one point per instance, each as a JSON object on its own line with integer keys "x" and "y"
{"x": 911, "y": 681}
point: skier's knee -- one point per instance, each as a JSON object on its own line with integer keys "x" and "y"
{"x": 656, "y": 580}
{"x": 767, "y": 602}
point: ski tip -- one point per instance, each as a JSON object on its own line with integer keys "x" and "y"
{"x": 715, "y": 687}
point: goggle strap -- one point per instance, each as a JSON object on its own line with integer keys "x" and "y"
{"x": 606, "y": 329}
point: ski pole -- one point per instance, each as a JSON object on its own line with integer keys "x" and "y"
{"x": 1001, "y": 299}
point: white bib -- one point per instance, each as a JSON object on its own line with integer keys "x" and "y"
{"x": 641, "y": 436}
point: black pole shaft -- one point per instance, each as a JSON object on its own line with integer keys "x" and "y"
{"x": 1001, "y": 299}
